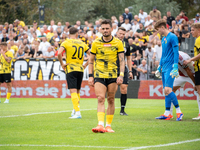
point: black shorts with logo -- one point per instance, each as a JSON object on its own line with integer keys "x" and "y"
{"x": 74, "y": 80}
{"x": 105, "y": 81}
{"x": 5, "y": 78}
{"x": 197, "y": 78}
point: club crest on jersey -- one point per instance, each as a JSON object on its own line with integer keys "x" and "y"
{"x": 107, "y": 45}
{"x": 165, "y": 40}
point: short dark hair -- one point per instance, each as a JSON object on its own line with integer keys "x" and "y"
{"x": 121, "y": 28}
{"x": 160, "y": 23}
{"x": 73, "y": 30}
{"x": 107, "y": 21}
{"x": 3, "y": 44}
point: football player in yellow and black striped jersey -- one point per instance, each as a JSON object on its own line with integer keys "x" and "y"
{"x": 195, "y": 30}
{"x": 74, "y": 49}
{"x": 104, "y": 52}
{"x": 5, "y": 68}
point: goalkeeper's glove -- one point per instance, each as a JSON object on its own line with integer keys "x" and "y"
{"x": 174, "y": 72}
{"x": 158, "y": 72}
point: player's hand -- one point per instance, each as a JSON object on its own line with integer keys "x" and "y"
{"x": 64, "y": 66}
{"x": 185, "y": 62}
{"x": 130, "y": 75}
{"x": 174, "y": 72}
{"x": 119, "y": 80}
{"x": 158, "y": 72}
{"x": 91, "y": 81}
{"x": 84, "y": 66}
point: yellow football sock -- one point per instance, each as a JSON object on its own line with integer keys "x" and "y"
{"x": 8, "y": 96}
{"x": 100, "y": 116}
{"x": 79, "y": 97}
{"x": 74, "y": 98}
{"x": 109, "y": 119}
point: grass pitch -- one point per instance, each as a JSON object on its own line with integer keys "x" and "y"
{"x": 43, "y": 124}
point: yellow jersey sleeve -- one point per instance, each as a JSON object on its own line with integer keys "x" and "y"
{"x": 120, "y": 47}
{"x": 93, "y": 49}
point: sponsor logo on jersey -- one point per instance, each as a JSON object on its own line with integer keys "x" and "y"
{"x": 107, "y": 45}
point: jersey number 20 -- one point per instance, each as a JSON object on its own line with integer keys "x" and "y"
{"x": 80, "y": 52}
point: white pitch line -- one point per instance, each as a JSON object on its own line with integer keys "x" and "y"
{"x": 41, "y": 113}
{"x": 163, "y": 145}
{"x": 33, "y": 145}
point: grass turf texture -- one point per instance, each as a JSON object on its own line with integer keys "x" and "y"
{"x": 140, "y": 128}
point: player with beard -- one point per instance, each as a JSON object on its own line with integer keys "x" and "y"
{"x": 103, "y": 74}
{"x": 127, "y": 71}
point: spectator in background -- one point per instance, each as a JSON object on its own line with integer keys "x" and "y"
{"x": 4, "y": 38}
{"x": 141, "y": 29}
{"x": 173, "y": 26}
{"x": 156, "y": 64}
{"x": 153, "y": 37}
{"x": 10, "y": 28}
{"x": 148, "y": 21}
{"x": 149, "y": 51}
{"x": 20, "y": 23}
{"x": 143, "y": 69}
{"x": 113, "y": 19}
{"x": 121, "y": 20}
{"x": 185, "y": 32}
{"x": 37, "y": 53}
{"x": 6, "y": 26}
{"x": 13, "y": 46}
{"x": 137, "y": 18}
{"x": 42, "y": 34}
{"x": 169, "y": 18}
{"x": 59, "y": 32}
{"x": 45, "y": 29}
{"x": 183, "y": 16}
{"x": 78, "y": 23}
{"x": 135, "y": 26}
{"x": 149, "y": 30}
{"x": 157, "y": 51}
{"x": 165, "y": 18}
{"x": 97, "y": 23}
{"x": 115, "y": 28}
{"x": 128, "y": 15}
{"x": 50, "y": 34}
{"x": 20, "y": 54}
{"x": 52, "y": 25}
{"x": 49, "y": 53}
{"x": 155, "y": 13}
{"x": 142, "y": 16}
{"x": 1, "y": 29}
{"x": 36, "y": 25}
{"x": 178, "y": 20}
{"x": 28, "y": 53}
{"x": 67, "y": 24}
{"x": 126, "y": 25}
{"x": 59, "y": 25}
{"x": 89, "y": 33}
{"x": 44, "y": 45}
{"x": 197, "y": 19}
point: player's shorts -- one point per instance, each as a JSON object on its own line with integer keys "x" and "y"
{"x": 105, "y": 81}
{"x": 197, "y": 78}
{"x": 167, "y": 80}
{"x": 5, "y": 78}
{"x": 181, "y": 80}
{"x": 74, "y": 80}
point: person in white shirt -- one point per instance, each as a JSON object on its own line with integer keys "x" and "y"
{"x": 115, "y": 28}
{"x": 135, "y": 26}
{"x": 126, "y": 25}
{"x": 142, "y": 16}
{"x": 187, "y": 74}
{"x": 52, "y": 24}
{"x": 149, "y": 51}
{"x": 157, "y": 51}
{"x": 49, "y": 53}
{"x": 44, "y": 45}
{"x": 148, "y": 21}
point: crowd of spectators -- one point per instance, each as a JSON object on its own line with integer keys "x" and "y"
{"x": 43, "y": 41}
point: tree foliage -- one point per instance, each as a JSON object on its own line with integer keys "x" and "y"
{"x": 162, "y": 5}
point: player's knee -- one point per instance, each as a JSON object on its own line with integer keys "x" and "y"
{"x": 101, "y": 99}
{"x": 123, "y": 89}
{"x": 167, "y": 91}
{"x": 110, "y": 100}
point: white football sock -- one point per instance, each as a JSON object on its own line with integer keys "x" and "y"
{"x": 108, "y": 125}
{"x": 198, "y": 101}
{"x": 178, "y": 110}
{"x": 78, "y": 113}
{"x": 167, "y": 112}
{"x": 171, "y": 109}
{"x": 101, "y": 123}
